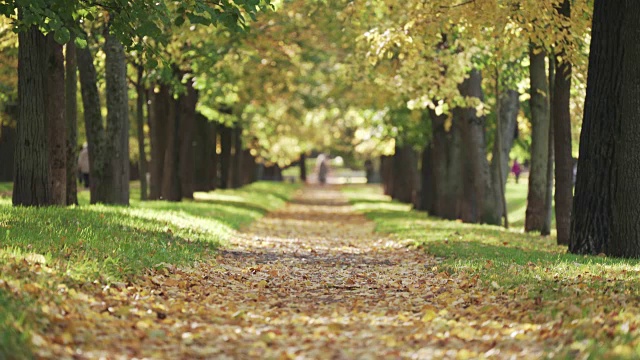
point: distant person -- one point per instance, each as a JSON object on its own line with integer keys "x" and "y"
{"x": 516, "y": 170}
{"x": 322, "y": 167}
{"x": 83, "y": 165}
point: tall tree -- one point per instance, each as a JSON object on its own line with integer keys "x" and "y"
{"x": 71, "y": 113}
{"x": 562, "y": 138}
{"x": 171, "y": 188}
{"x": 626, "y": 209}
{"x": 236, "y": 171}
{"x": 479, "y": 199}
{"x": 142, "y": 156}
{"x": 302, "y": 163}
{"x": 540, "y": 116}
{"x": 507, "y": 121}
{"x": 187, "y": 125}
{"x": 226, "y": 141}
{"x": 591, "y": 226}
{"x": 404, "y": 172}
{"x": 31, "y": 185}
{"x": 117, "y": 118}
{"x": 548, "y": 203}
{"x": 55, "y": 120}
{"x": 158, "y": 121}
{"x": 99, "y": 183}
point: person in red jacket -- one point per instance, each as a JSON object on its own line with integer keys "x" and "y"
{"x": 516, "y": 169}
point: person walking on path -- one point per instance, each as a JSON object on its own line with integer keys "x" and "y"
{"x": 83, "y": 165}
{"x": 516, "y": 170}
{"x": 322, "y": 167}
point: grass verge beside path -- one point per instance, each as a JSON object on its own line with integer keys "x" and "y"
{"x": 594, "y": 302}
{"x": 47, "y": 250}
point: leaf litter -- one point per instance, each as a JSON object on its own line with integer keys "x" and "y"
{"x": 312, "y": 280}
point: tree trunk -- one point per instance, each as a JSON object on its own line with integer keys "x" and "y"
{"x": 546, "y": 228}
{"x": 236, "y": 172}
{"x": 626, "y": 209}
{"x": 214, "y": 160}
{"x": 478, "y": 196}
{"x": 71, "y": 114}
{"x": 426, "y": 201}
{"x": 159, "y": 121}
{"x": 508, "y": 109}
{"x": 447, "y": 164}
{"x": 117, "y": 119}
{"x": 142, "y": 156}
{"x": 187, "y": 124}
{"x": 591, "y": 227}
{"x": 404, "y": 169}
{"x": 202, "y": 153}
{"x": 99, "y": 182}
{"x": 171, "y": 188}
{"x": 386, "y": 171}
{"x": 31, "y": 185}
{"x": 248, "y": 167}
{"x": 562, "y": 142}
{"x": 55, "y": 120}
{"x": 539, "y": 103}
{"x": 303, "y": 167}
{"x": 226, "y": 137}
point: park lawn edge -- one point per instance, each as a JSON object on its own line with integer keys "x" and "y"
{"x": 46, "y": 250}
{"x": 597, "y": 297}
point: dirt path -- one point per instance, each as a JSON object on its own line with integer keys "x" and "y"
{"x": 309, "y": 281}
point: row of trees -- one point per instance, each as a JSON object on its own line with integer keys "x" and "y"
{"x": 439, "y": 90}
{"x": 139, "y": 34}
{"x": 474, "y": 70}
{"x": 603, "y": 215}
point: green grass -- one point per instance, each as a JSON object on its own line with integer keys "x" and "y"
{"x": 512, "y": 258}
{"x": 114, "y": 243}
{"x": 516, "y": 195}
{"x": 521, "y": 265}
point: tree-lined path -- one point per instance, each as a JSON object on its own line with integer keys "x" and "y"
{"x": 311, "y": 280}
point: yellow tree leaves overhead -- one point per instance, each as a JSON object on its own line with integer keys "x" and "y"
{"x": 423, "y": 50}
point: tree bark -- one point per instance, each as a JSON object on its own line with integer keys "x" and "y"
{"x": 479, "y": 204}
{"x": 142, "y": 156}
{"x": 546, "y": 228}
{"x": 214, "y": 160}
{"x": 386, "y": 171}
{"x": 31, "y": 186}
{"x": 187, "y": 124}
{"x": 426, "y": 201}
{"x": 591, "y": 226}
{"x": 236, "y": 171}
{"x": 117, "y": 119}
{"x": 202, "y": 153}
{"x": 99, "y": 183}
{"x": 539, "y": 103}
{"x": 159, "y": 121}
{"x": 248, "y": 167}
{"x": 55, "y": 120}
{"x": 562, "y": 142}
{"x": 226, "y": 139}
{"x": 508, "y": 109}
{"x": 625, "y": 237}
{"x": 303, "y": 167}
{"x": 404, "y": 169}
{"x": 71, "y": 114}
{"x": 171, "y": 188}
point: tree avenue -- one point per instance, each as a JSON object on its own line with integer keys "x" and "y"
{"x": 445, "y": 97}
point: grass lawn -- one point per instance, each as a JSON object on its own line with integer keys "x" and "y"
{"x": 595, "y": 299}
{"x": 44, "y": 250}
